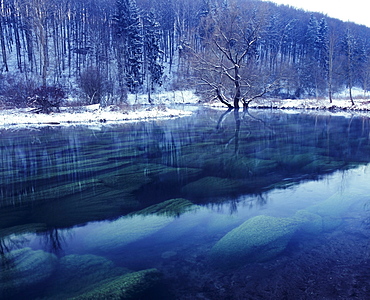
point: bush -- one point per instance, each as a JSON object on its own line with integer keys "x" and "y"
{"x": 92, "y": 85}
{"x": 16, "y": 91}
{"x": 46, "y": 99}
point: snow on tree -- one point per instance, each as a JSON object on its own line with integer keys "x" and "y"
{"x": 355, "y": 56}
{"x": 129, "y": 44}
{"x": 152, "y": 52}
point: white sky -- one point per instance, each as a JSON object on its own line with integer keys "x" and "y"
{"x": 357, "y": 11}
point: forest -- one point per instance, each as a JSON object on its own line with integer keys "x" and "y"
{"x": 231, "y": 50}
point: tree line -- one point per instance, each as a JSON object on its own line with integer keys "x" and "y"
{"x": 233, "y": 50}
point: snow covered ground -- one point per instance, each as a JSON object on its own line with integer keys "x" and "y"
{"x": 139, "y": 110}
{"x": 87, "y": 115}
{"x": 93, "y": 115}
{"x": 313, "y": 104}
{"x": 322, "y": 106}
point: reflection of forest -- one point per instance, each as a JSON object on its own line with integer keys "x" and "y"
{"x": 57, "y": 178}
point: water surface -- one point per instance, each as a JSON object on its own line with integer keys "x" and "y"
{"x": 220, "y": 205}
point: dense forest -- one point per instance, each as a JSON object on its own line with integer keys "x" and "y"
{"x": 233, "y": 50}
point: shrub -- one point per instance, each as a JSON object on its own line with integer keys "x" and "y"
{"x": 16, "y": 91}
{"x": 92, "y": 85}
{"x": 46, "y": 99}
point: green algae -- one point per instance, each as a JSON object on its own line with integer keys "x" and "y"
{"x": 171, "y": 176}
{"x": 169, "y": 208}
{"x": 240, "y": 167}
{"x": 124, "y": 231}
{"x": 324, "y": 164}
{"x": 129, "y": 286}
{"x": 52, "y": 192}
{"x": 130, "y": 178}
{"x": 21, "y": 229}
{"x": 78, "y": 274}
{"x": 89, "y": 205}
{"x": 23, "y": 268}
{"x": 256, "y": 240}
{"x": 332, "y": 209}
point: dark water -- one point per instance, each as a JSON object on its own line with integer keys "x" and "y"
{"x": 258, "y": 205}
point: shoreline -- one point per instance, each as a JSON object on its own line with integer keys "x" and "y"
{"x": 93, "y": 115}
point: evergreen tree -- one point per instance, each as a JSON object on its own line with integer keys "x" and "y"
{"x": 323, "y": 43}
{"x": 153, "y": 67}
{"x": 355, "y": 57}
{"x": 130, "y": 44}
{"x": 323, "y": 53}
{"x": 310, "y": 68}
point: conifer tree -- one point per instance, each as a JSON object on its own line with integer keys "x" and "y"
{"x": 153, "y": 67}
{"x": 130, "y": 44}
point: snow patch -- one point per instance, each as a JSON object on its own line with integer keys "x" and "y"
{"x": 175, "y": 97}
{"x": 92, "y": 115}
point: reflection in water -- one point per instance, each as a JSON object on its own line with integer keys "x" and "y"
{"x": 54, "y": 240}
{"x": 179, "y": 197}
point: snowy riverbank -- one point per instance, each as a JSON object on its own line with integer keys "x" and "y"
{"x": 313, "y": 106}
{"x": 94, "y": 115}
{"x": 87, "y": 115}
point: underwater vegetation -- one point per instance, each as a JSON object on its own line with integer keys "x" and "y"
{"x": 24, "y": 271}
{"x": 24, "y": 268}
{"x": 180, "y": 196}
{"x": 169, "y": 208}
{"x": 95, "y": 277}
{"x": 87, "y": 175}
{"x": 124, "y": 231}
{"x": 263, "y": 237}
{"x": 129, "y": 286}
{"x": 256, "y": 240}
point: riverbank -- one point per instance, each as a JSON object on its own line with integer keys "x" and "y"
{"x": 86, "y": 115}
{"x": 136, "y": 109}
{"x": 93, "y": 115}
{"x": 313, "y": 104}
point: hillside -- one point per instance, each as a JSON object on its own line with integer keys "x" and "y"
{"x": 100, "y": 51}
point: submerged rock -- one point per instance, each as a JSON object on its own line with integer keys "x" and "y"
{"x": 117, "y": 234}
{"x": 6, "y": 232}
{"x": 176, "y": 176}
{"x": 170, "y": 208}
{"x": 333, "y": 208}
{"x": 24, "y": 268}
{"x": 258, "y": 239}
{"x": 129, "y": 286}
{"x": 213, "y": 187}
{"x": 76, "y": 274}
{"x": 310, "y": 223}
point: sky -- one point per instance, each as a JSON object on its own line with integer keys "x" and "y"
{"x": 356, "y": 11}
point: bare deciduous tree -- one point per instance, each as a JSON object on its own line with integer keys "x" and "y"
{"x": 230, "y": 65}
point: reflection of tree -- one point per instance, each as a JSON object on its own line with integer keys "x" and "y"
{"x": 238, "y": 120}
{"x": 54, "y": 240}
{"x": 8, "y": 244}
{"x": 4, "y": 248}
{"x": 235, "y": 137}
{"x": 237, "y": 129}
{"x": 222, "y": 118}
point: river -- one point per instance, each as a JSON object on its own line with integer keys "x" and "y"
{"x": 262, "y": 204}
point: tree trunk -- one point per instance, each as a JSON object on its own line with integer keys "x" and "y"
{"x": 237, "y": 96}
{"x": 237, "y": 130}
{"x": 222, "y": 99}
{"x": 3, "y": 49}
{"x": 350, "y": 95}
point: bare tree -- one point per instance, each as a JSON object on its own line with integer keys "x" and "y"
{"x": 229, "y": 66}
{"x": 38, "y": 13}
{"x": 354, "y": 53}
